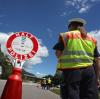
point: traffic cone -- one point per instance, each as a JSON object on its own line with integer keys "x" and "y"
{"x": 13, "y": 87}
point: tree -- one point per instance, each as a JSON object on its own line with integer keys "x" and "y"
{"x": 56, "y": 79}
{"x": 6, "y": 66}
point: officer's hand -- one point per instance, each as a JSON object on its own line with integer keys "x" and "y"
{"x": 58, "y": 53}
{"x": 98, "y": 83}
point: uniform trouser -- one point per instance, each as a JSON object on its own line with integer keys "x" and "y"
{"x": 79, "y": 84}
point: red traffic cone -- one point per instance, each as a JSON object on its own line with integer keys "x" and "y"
{"x": 13, "y": 87}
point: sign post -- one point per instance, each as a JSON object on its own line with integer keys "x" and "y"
{"x": 21, "y": 46}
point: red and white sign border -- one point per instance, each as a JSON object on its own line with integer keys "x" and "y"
{"x": 22, "y": 56}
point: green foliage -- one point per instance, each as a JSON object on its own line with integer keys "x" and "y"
{"x": 48, "y": 76}
{"x": 56, "y": 91}
{"x": 6, "y": 66}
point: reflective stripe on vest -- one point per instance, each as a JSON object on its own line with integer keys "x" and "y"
{"x": 75, "y": 60}
{"x": 78, "y": 52}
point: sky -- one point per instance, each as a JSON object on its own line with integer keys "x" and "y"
{"x": 46, "y": 19}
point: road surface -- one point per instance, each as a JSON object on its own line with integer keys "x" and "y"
{"x": 31, "y": 91}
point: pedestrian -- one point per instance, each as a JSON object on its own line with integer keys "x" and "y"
{"x": 49, "y": 83}
{"x": 43, "y": 83}
{"x": 76, "y": 51}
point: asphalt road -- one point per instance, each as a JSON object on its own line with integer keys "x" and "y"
{"x": 31, "y": 91}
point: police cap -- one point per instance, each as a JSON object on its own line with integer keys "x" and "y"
{"x": 78, "y": 20}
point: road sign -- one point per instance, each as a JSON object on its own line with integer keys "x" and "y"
{"x": 22, "y": 45}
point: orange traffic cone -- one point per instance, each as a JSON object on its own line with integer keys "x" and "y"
{"x": 13, "y": 87}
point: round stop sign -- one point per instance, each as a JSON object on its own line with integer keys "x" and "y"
{"x": 22, "y": 45}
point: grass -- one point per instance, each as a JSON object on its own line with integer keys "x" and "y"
{"x": 57, "y": 91}
{"x": 99, "y": 95}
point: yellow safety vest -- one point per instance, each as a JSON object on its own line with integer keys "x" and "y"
{"x": 78, "y": 51}
{"x": 49, "y": 81}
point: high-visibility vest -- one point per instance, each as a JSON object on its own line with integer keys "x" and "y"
{"x": 78, "y": 51}
{"x": 49, "y": 81}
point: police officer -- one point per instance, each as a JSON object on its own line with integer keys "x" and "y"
{"x": 49, "y": 84}
{"x": 44, "y": 83}
{"x": 76, "y": 51}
